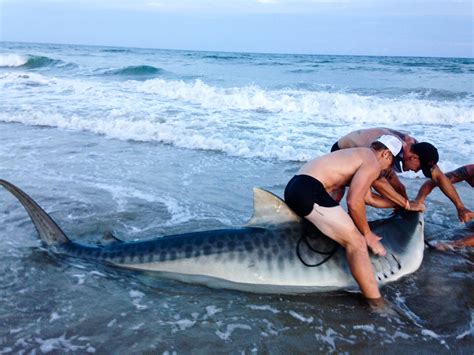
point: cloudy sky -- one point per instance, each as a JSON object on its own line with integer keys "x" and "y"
{"x": 360, "y": 27}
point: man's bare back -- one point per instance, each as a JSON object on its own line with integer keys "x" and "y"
{"x": 364, "y": 137}
{"x": 337, "y": 170}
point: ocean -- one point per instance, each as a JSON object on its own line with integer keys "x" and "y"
{"x": 150, "y": 142}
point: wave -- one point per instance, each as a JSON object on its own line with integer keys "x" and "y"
{"x": 221, "y": 57}
{"x": 301, "y": 71}
{"x": 12, "y": 60}
{"x": 240, "y": 121}
{"x": 263, "y": 145}
{"x": 445, "y": 65}
{"x": 135, "y": 71}
{"x": 281, "y": 138}
{"x": 337, "y": 106}
{"x": 420, "y": 93}
{"x": 35, "y": 62}
{"x": 422, "y": 105}
{"x": 29, "y": 61}
{"x": 117, "y": 50}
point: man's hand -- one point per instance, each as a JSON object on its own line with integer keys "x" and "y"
{"x": 416, "y": 206}
{"x": 465, "y": 215}
{"x": 373, "y": 242}
{"x": 443, "y": 246}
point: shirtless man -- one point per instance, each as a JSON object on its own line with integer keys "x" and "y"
{"x": 414, "y": 156}
{"x": 307, "y": 194}
{"x": 463, "y": 173}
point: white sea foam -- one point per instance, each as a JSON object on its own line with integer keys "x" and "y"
{"x": 263, "y": 308}
{"x": 54, "y": 316}
{"x": 328, "y": 338}
{"x": 12, "y": 60}
{"x": 61, "y": 344}
{"x": 183, "y": 324}
{"x": 80, "y": 278}
{"x": 212, "y": 310}
{"x": 341, "y": 107}
{"x": 179, "y": 213}
{"x": 301, "y": 317}
{"x": 138, "y": 326}
{"x": 241, "y": 121}
{"x": 137, "y": 297}
{"x": 370, "y": 328}
{"x": 469, "y": 332}
{"x": 400, "y": 334}
{"x": 136, "y": 294}
{"x": 97, "y": 273}
{"x": 230, "y": 328}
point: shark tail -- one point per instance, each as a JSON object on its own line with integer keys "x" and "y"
{"x": 48, "y": 230}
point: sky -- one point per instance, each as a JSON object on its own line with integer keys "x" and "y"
{"x": 355, "y": 27}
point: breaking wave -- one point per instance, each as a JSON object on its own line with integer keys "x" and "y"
{"x": 247, "y": 121}
{"x": 12, "y": 60}
{"x": 29, "y": 61}
{"x": 335, "y": 106}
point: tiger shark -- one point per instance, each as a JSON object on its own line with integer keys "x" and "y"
{"x": 275, "y": 252}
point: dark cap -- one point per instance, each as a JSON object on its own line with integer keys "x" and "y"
{"x": 428, "y": 155}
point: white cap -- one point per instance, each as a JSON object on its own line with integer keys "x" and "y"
{"x": 391, "y": 142}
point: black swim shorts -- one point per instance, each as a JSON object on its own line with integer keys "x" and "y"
{"x": 303, "y": 191}
{"x": 335, "y": 147}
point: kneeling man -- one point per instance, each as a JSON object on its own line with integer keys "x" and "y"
{"x": 307, "y": 194}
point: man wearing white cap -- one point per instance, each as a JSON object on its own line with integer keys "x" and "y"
{"x": 307, "y": 194}
{"x": 414, "y": 156}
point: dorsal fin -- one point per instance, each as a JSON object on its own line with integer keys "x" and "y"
{"x": 108, "y": 238}
{"x": 269, "y": 209}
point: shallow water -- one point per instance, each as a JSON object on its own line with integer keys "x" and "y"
{"x": 59, "y": 303}
{"x": 103, "y": 142}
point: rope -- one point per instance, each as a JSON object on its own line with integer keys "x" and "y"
{"x": 329, "y": 254}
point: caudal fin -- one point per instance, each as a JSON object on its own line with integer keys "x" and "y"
{"x": 48, "y": 230}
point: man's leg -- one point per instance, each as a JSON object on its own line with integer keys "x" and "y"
{"x": 338, "y": 225}
{"x": 456, "y": 244}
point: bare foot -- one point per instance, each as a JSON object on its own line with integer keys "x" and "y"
{"x": 376, "y": 303}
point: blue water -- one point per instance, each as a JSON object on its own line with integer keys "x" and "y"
{"x": 148, "y": 142}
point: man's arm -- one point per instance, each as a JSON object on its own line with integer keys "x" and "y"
{"x": 360, "y": 184}
{"x": 448, "y": 189}
{"x": 377, "y": 201}
{"x": 396, "y": 183}
{"x": 455, "y": 176}
{"x": 425, "y": 190}
{"x": 383, "y": 187}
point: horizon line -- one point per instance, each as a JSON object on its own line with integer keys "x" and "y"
{"x": 238, "y": 51}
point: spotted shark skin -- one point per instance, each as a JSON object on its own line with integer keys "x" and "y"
{"x": 272, "y": 253}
